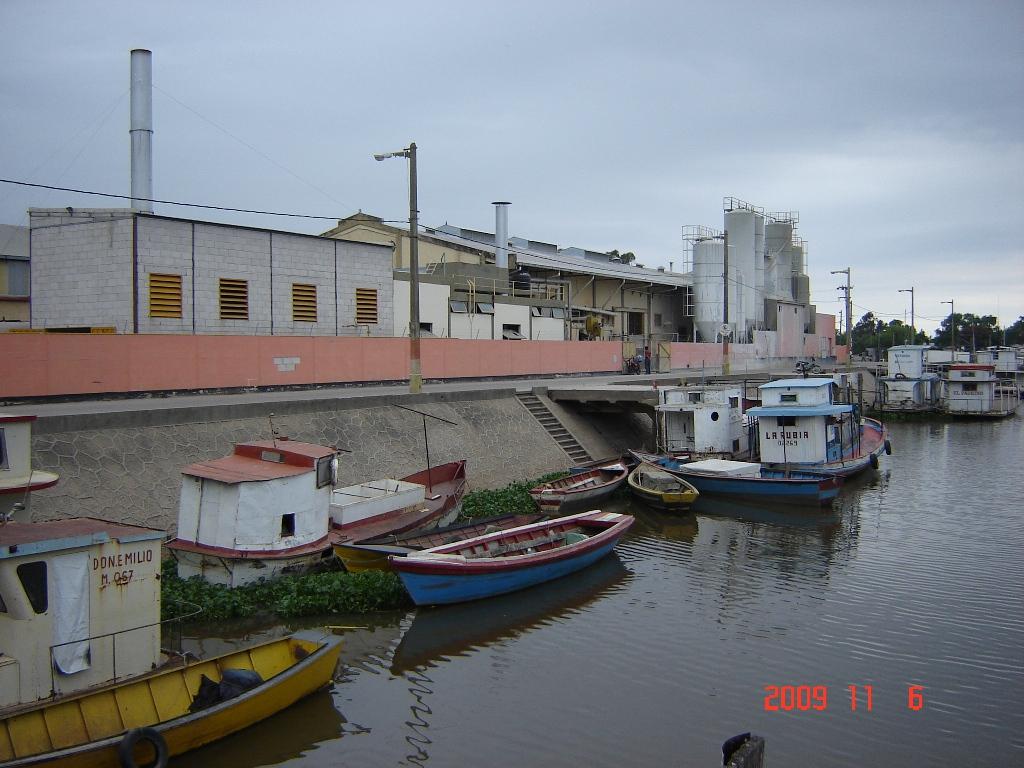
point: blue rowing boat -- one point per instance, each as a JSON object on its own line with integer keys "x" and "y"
{"x": 510, "y": 560}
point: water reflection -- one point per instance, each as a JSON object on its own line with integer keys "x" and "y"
{"x": 296, "y": 731}
{"x": 443, "y": 632}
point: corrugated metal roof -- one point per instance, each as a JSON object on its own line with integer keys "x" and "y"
{"x": 18, "y": 539}
{"x": 241, "y": 469}
{"x": 565, "y": 263}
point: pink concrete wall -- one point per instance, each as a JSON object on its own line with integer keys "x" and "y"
{"x": 69, "y": 364}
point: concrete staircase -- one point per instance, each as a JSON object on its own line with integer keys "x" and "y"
{"x": 554, "y": 427}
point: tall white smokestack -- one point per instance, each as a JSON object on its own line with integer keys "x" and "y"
{"x": 142, "y": 130}
{"x": 501, "y": 234}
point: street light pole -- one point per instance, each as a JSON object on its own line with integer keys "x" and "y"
{"x": 415, "y": 371}
{"x": 913, "y": 329}
{"x": 952, "y": 328}
{"x": 849, "y": 317}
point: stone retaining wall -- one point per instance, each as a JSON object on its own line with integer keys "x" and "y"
{"x": 126, "y": 467}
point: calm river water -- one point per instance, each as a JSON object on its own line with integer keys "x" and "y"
{"x": 657, "y": 654}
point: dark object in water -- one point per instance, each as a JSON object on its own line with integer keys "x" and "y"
{"x": 233, "y": 683}
{"x": 743, "y": 751}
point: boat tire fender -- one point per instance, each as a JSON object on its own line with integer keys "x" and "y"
{"x": 888, "y": 448}
{"x": 874, "y": 461}
{"x": 126, "y": 749}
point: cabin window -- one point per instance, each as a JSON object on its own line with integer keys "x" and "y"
{"x": 694, "y": 397}
{"x": 785, "y": 421}
{"x": 324, "y": 473}
{"x": 714, "y": 415}
{"x": 3, "y": 451}
{"x": 969, "y": 387}
{"x": 274, "y": 456}
{"x": 734, "y": 402}
{"x": 33, "y": 581}
{"x": 736, "y": 446}
{"x": 967, "y": 374}
{"x": 288, "y": 524}
{"x": 787, "y": 398}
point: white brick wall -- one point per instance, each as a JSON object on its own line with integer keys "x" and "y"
{"x": 82, "y": 276}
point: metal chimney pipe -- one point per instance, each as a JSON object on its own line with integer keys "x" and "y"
{"x": 142, "y": 129}
{"x": 501, "y": 234}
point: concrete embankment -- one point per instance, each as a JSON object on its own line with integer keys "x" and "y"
{"x": 125, "y": 464}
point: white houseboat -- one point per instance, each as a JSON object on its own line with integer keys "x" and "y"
{"x": 17, "y": 478}
{"x": 257, "y": 513}
{"x": 702, "y": 421}
{"x": 908, "y": 387}
{"x": 975, "y": 390}
{"x": 799, "y": 426}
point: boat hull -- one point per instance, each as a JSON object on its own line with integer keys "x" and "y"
{"x": 874, "y": 442}
{"x": 678, "y": 500}
{"x": 510, "y": 560}
{"x": 446, "y": 588}
{"x": 580, "y": 491}
{"x": 817, "y": 492}
{"x": 146, "y": 702}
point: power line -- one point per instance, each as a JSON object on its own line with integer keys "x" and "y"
{"x": 166, "y": 202}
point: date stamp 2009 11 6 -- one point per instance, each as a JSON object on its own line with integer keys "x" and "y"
{"x": 804, "y": 698}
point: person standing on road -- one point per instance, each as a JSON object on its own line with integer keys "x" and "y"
{"x": 647, "y": 360}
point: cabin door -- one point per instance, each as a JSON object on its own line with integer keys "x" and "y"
{"x": 69, "y": 599}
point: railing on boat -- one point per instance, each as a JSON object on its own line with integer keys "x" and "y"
{"x": 177, "y": 620}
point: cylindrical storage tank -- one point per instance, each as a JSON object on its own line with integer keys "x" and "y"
{"x": 802, "y": 289}
{"x": 758, "y": 308}
{"x": 779, "y": 269}
{"x": 740, "y": 225}
{"x": 707, "y": 287}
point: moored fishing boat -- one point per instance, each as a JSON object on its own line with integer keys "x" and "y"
{"x": 661, "y": 489}
{"x": 372, "y": 554}
{"x": 443, "y": 488}
{"x": 750, "y": 480}
{"x": 510, "y": 560}
{"x": 581, "y": 489}
{"x": 82, "y": 678}
{"x": 800, "y": 428}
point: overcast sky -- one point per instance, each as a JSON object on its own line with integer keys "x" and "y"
{"x": 896, "y": 129}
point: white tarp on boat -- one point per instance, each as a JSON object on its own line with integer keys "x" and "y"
{"x": 71, "y": 612}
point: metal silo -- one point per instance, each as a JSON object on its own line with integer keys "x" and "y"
{"x": 707, "y": 287}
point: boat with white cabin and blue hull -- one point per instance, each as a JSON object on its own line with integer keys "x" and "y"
{"x": 800, "y": 426}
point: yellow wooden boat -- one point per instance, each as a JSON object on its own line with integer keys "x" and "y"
{"x": 143, "y": 720}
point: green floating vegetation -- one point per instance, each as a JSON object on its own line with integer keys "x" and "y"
{"x": 309, "y": 594}
{"x": 513, "y": 499}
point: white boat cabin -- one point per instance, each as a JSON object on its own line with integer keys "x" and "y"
{"x": 17, "y": 478}
{"x": 702, "y": 420}
{"x": 357, "y": 503}
{"x": 79, "y": 606}
{"x": 798, "y": 422}
{"x": 1004, "y": 359}
{"x": 974, "y": 390}
{"x": 266, "y": 499}
{"x": 908, "y": 386}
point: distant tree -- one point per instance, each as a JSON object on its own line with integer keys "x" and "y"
{"x": 972, "y": 331}
{"x": 1015, "y": 333}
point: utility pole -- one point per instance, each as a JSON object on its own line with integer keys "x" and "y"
{"x": 849, "y": 315}
{"x": 952, "y": 327}
{"x": 415, "y": 371}
{"x": 913, "y": 329}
